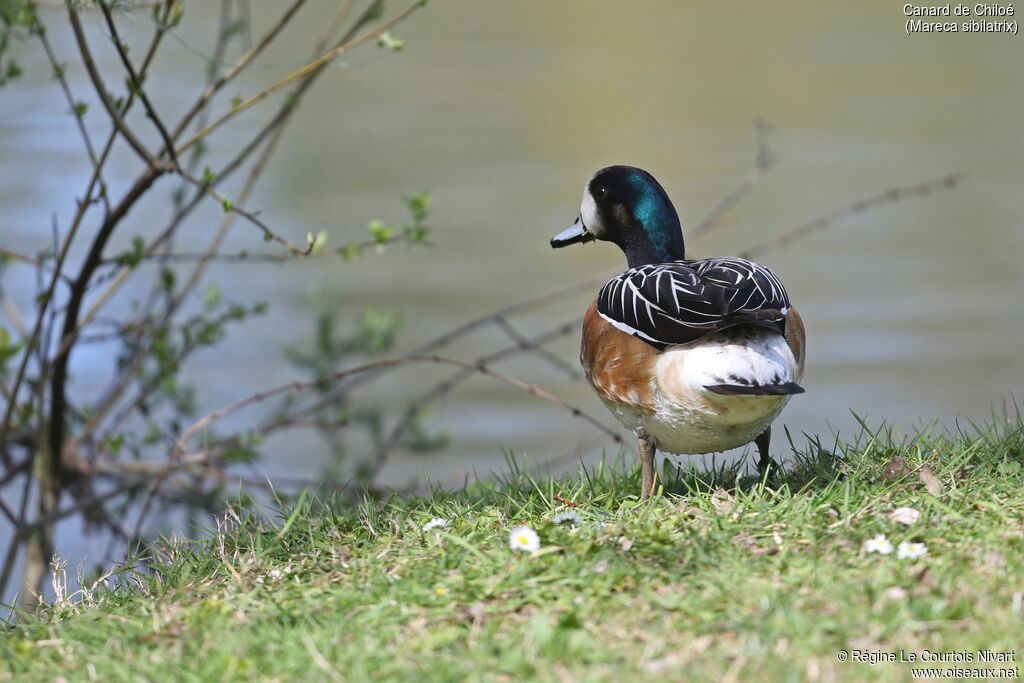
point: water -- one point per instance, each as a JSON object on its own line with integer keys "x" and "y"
{"x": 504, "y": 110}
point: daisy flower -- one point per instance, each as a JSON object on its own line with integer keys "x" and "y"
{"x": 879, "y": 544}
{"x": 911, "y": 551}
{"x": 435, "y": 523}
{"x": 905, "y": 515}
{"x": 524, "y": 538}
{"x": 570, "y": 516}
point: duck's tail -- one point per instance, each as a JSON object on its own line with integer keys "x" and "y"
{"x": 783, "y": 389}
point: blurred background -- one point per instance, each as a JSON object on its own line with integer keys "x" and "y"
{"x": 503, "y": 110}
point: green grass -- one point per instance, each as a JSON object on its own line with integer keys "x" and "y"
{"x": 718, "y": 579}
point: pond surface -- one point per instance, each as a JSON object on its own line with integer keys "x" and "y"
{"x": 504, "y": 110}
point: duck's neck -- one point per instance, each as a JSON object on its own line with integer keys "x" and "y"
{"x": 658, "y": 237}
{"x": 640, "y": 250}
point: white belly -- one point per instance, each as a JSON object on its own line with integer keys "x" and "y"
{"x": 690, "y": 419}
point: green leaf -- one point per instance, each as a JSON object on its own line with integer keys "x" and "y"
{"x": 390, "y": 42}
{"x": 167, "y": 278}
{"x": 350, "y": 251}
{"x": 79, "y": 109}
{"x": 226, "y": 203}
{"x": 114, "y": 444}
{"x": 179, "y": 9}
{"x": 415, "y": 234}
{"x": 419, "y": 205}
{"x": 236, "y": 27}
{"x": 378, "y": 329}
{"x": 208, "y": 176}
{"x": 212, "y": 296}
{"x": 381, "y": 231}
{"x": 319, "y": 241}
{"x": 236, "y": 101}
{"x": 134, "y": 257}
{"x": 8, "y": 348}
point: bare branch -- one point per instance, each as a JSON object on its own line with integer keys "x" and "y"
{"x": 136, "y": 84}
{"x": 534, "y": 346}
{"x": 101, "y": 90}
{"x": 826, "y": 220}
{"x": 216, "y": 415}
{"x": 202, "y": 423}
{"x": 59, "y": 74}
{"x": 232, "y": 207}
{"x": 444, "y": 387}
{"x": 304, "y": 71}
{"x": 275, "y": 129}
{"x": 752, "y": 180}
{"x": 28, "y": 260}
{"x": 70, "y": 326}
{"x": 230, "y": 74}
{"x": 12, "y": 547}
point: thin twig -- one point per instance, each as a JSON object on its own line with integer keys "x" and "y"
{"x": 70, "y": 326}
{"x": 523, "y": 343}
{"x": 136, "y": 84}
{"x": 101, "y": 89}
{"x": 559, "y": 499}
{"x": 219, "y": 49}
{"x": 12, "y": 472}
{"x": 274, "y": 129}
{"x": 445, "y": 386}
{"x": 230, "y": 206}
{"x": 236, "y": 69}
{"x": 746, "y": 186}
{"x": 202, "y": 423}
{"x": 313, "y": 66}
{"x": 28, "y": 260}
{"x": 273, "y": 258}
{"x": 216, "y": 415}
{"x": 9, "y": 514}
{"x": 58, "y": 72}
{"x": 859, "y": 206}
{"x": 12, "y": 547}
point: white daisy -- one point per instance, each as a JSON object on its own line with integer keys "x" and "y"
{"x": 524, "y": 538}
{"x": 879, "y": 544}
{"x": 435, "y": 523}
{"x": 911, "y": 551}
{"x": 570, "y": 516}
{"x": 905, "y": 515}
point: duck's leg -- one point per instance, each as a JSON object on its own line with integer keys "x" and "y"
{"x": 646, "y": 468}
{"x": 765, "y": 466}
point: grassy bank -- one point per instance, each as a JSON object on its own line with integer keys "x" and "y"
{"x": 718, "y": 579}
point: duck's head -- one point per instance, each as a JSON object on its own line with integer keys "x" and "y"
{"x": 627, "y": 206}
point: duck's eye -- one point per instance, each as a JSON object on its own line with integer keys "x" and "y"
{"x": 600, "y": 192}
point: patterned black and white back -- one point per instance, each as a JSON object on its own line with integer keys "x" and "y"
{"x": 681, "y": 301}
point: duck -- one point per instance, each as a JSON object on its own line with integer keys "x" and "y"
{"x": 692, "y": 356}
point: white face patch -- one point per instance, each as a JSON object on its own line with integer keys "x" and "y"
{"x": 588, "y": 212}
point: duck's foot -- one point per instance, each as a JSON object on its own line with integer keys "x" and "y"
{"x": 766, "y": 467}
{"x": 646, "y": 469}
